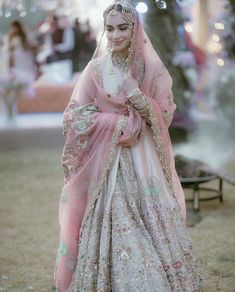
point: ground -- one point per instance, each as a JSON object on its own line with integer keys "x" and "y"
{"x": 31, "y": 181}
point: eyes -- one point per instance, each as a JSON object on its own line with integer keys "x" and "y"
{"x": 122, "y": 28}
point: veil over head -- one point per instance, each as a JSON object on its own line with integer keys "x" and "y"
{"x": 141, "y": 49}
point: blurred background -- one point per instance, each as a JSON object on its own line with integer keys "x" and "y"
{"x": 44, "y": 46}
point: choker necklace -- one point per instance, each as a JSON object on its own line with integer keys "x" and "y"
{"x": 120, "y": 61}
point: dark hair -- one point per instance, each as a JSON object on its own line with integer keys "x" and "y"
{"x": 19, "y": 33}
{"x": 107, "y": 10}
{"x": 118, "y": 7}
{"x": 55, "y": 18}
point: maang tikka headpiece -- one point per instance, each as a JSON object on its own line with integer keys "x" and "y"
{"x": 128, "y": 12}
{"x": 124, "y": 7}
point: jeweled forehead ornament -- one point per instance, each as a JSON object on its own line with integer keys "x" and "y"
{"x": 125, "y": 9}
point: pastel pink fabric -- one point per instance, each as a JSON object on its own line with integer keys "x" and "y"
{"x": 91, "y": 122}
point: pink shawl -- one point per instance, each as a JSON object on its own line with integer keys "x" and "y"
{"x": 94, "y": 124}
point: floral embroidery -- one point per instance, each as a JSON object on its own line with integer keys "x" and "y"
{"x": 177, "y": 265}
{"x": 166, "y": 267}
{"x": 119, "y": 127}
{"x": 82, "y": 125}
{"x": 63, "y": 249}
{"x": 84, "y": 120}
{"x": 124, "y": 248}
{"x": 82, "y": 142}
{"x": 150, "y": 186}
{"x": 125, "y": 253}
{"x": 78, "y": 120}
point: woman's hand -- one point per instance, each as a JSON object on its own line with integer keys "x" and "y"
{"x": 129, "y": 83}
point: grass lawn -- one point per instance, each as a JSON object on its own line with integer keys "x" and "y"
{"x": 30, "y": 188}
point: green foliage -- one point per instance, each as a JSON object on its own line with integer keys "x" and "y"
{"x": 162, "y": 27}
{"x": 225, "y": 88}
{"x": 229, "y": 37}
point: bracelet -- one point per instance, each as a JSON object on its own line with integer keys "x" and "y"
{"x": 138, "y": 101}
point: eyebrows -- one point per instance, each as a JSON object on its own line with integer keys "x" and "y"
{"x": 119, "y": 25}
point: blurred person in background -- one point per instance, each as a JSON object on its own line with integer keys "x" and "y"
{"x": 79, "y": 51}
{"x": 1, "y": 55}
{"x": 56, "y": 52}
{"x": 85, "y": 44}
{"x": 122, "y": 209}
{"x": 90, "y": 41}
{"x": 19, "y": 52}
{"x": 61, "y": 39}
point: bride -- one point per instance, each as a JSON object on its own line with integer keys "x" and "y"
{"x": 122, "y": 210}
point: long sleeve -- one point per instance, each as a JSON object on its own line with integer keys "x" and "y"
{"x": 138, "y": 100}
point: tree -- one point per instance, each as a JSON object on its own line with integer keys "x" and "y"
{"x": 166, "y": 31}
{"x": 229, "y": 37}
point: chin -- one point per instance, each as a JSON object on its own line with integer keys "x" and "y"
{"x": 122, "y": 47}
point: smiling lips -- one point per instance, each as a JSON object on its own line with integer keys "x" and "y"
{"x": 117, "y": 43}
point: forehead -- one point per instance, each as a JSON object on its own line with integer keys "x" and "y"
{"x": 115, "y": 20}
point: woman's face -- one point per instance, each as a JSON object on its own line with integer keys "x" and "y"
{"x": 118, "y": 33}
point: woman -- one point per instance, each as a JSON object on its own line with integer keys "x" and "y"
{"x": 122, "y": 210}
{"x": 20, "y": 52}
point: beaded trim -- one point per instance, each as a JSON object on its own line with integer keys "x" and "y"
{"x": 98, "y": 72}
{"x": 140, "y": 65}
{"x": 157, "y": 137}
{"x": 117, "y": 131}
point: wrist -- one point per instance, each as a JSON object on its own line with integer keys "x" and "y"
{"x": 133, "y": 92}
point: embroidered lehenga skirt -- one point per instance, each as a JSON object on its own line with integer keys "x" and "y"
{"x": 135, "y": 238}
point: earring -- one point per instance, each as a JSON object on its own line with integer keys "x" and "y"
{"x": 130, "y": 52}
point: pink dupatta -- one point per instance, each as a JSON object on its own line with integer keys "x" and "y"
{"x": 94, "y": 124}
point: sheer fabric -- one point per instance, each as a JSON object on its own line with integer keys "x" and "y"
{"x": 117, "y": 164}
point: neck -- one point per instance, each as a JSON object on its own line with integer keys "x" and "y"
{"x": 123, "y": 53}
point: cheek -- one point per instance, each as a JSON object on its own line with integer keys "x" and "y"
{"x": 108, "y": 35}
{"x": 128, "y": 35}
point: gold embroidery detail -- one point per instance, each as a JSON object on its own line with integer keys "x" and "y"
{"x": 140, "y": 67}
{"x": 128, "y": 233}
{"x": 98, "y": 72}
{"x": 159, "y": 143}
{"x": 117, "y": 131}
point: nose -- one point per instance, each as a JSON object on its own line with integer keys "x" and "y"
{"x": 115, "y": 34}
